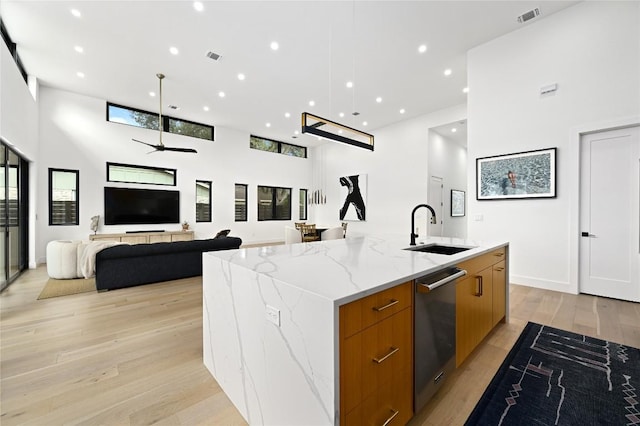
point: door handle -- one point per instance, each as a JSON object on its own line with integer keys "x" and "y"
{"x": 586, "y": 234}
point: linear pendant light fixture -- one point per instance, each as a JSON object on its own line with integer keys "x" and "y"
{"x": 338, "y": 132}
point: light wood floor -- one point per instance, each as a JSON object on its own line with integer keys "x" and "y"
{"x": 134, "y": 356}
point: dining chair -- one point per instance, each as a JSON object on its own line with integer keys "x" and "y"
{"x": 298, "y": 224}
{"x": 308, "y": 232}
{"x": 332, "y": 234}
{"x": 344, "y": 229}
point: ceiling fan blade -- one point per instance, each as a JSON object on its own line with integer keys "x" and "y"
{"x": 145, "y": 143}
{"x": 168, "y": 148}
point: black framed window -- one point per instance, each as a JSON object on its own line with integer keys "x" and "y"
{"x": 274, "y": 203}
{"x": 303, "y": 204}
{"x": 63, "y": 196}
{"x": 131, "y": 173}
{"x": 203, "y": 201}
{"x": 241, "y": 202}
{"x": 149, "y": 120}
{"x": 270, "y": 145}
{"x": 13, "y": 49}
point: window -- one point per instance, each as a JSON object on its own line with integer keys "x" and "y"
{"x": 130, "y": 173}
{"x": 63, "y": 196}
{"x": 269, "y": 145}
{"x": 13, "y": 50}
{"x": 203, "y": 201}
{"x": 274, "y": 203}
{"x": 149, "y": 120}
{"x": 241, "y": 202}
{"x": 303, "y": 204}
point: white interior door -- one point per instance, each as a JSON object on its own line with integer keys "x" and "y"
{"x": 610, "y": 214}
{"x": 436, "y": 189}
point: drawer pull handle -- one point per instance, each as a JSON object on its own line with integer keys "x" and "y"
{"x": 499, "y": 254}
{"x": 380, "y": 360}
{"x": 388, "y": 305}
{"x": 478, "y": 292}
{"x": 500, "y": 269}
{"x": 390, "y": 419}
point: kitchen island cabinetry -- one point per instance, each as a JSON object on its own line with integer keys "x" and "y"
{"x": 321, "y": 333}
{"x": 376, "y": 358}
{"x": 480, "y": 301}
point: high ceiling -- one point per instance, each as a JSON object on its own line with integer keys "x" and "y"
{"x": 322, "y": 46}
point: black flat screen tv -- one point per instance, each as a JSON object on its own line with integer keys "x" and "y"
{"x": 131, "y": 206}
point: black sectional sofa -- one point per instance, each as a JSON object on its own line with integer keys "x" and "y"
{"x": 130, "y": 265}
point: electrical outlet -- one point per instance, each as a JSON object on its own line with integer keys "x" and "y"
{"x": 273, "y": 315}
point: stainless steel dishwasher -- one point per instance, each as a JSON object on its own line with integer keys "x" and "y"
{"x": 434, "y": 332}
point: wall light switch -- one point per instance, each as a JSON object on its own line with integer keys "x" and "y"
{"x": 273, "y": 315}
{"x": 478, "y": 218}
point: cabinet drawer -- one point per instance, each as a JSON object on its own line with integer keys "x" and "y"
{"x": 358, "y": 315}
{"x": 374, "y": 356}
{"x": 391, "y": 404}
{"x": 479, "y": 263}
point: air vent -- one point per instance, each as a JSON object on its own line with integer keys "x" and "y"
{"x": 212, "y": 55}
{"x": 527, "y": 16}
{"x": 174, "y": 107}
{"x": 355, "y": 113}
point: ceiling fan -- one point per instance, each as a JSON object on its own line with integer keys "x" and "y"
{"x": 160, "y": 146}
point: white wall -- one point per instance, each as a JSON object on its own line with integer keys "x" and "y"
{"x": 75, "y": 135}
{"x": 398, "y": 175}
{"x": 19, "y": 128}
{"x": 448, "y": 160}
{"x": 592, "y": 51}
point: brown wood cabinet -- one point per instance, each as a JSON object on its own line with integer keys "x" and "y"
{"x": 376, "y": 358}
{"x": 480, "y": 300}
{"x": 145, "y": 237}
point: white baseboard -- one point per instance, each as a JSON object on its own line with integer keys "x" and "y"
{"x": 563, "y": 287}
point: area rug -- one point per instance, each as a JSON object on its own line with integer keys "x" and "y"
{"x": 55, "y": 288}
{"x": 555, "y": 377}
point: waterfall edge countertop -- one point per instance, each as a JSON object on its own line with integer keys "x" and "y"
{"x": 271, "y": 326}
{"x": 349, "y": 269}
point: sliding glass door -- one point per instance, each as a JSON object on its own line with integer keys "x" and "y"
{"x": 13, "y": 215}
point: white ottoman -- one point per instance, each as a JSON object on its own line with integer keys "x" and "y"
{"x": 62, "y": 259}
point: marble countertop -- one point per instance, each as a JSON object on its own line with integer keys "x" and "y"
{"x": 348, "y": 269}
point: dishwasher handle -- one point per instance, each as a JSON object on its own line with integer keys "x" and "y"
{"x": 426, "y": 288}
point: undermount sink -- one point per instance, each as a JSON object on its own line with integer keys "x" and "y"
{"x": 439, "y": 249}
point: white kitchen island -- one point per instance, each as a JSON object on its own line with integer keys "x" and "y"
{"x": 270, "y": 318}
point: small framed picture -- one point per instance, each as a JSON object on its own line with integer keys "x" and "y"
{"x": 529, "y": 174}
{"x": 457, "y": 203}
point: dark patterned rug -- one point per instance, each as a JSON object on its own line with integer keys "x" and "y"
{"x": 556, "y": 377}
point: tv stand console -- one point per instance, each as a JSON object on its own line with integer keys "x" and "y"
{"x": 145, "y": 237}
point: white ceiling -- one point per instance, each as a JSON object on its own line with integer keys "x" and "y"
{"x": 322, "y": 45}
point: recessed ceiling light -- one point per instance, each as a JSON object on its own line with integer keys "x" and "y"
{"x": 268, "y": 124}
{"x": 296, "y": 132}
{"x": 448, "y": 72}
{"x": 197, "y": 5}
{"x": 78, "y": 49}
{"x": 286, "y": 114}
{"x": 274, "y": 45}
{"x": 453, "y": 130}
{"x": 364, "y": 123}
{"x": 206, "y": 108}
{"x": 341, "y": 114}
{"x": 76, "y": 13}
{"x": 422, "y": 48}
{"x": 80, "y": 74}
{"x": 402, "y": 111}
{"x": 241, "y": 77}
{"x": 152, "y": 94}
{"x": 312, "y": 103}
{"x": 174, "y": 50}
{"x": 465, "y": 90}
{"x": 221, "y": 94}
{"x": 378, "y": 99}
{"x": 349, "y": 84}
{"x": 340, "y": 131}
